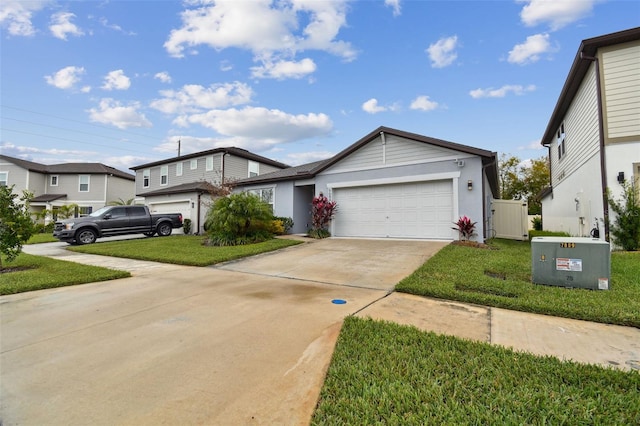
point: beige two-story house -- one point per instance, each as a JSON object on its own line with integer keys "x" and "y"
{"x": 87, "y": 185}
{"x": 186, "y": 184}
{"x": 593, "y": 135}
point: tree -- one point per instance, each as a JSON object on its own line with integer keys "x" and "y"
{"x": 625, "y": 230}
{"x": 16, "y": 226}
{"x": 523, "y": 180}
{"x": 121, "y": 202}
{"x": 237, "y": 219}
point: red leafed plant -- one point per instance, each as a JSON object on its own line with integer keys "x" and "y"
{"x": 465, "y": 227}
{"x": 322, "y": 211}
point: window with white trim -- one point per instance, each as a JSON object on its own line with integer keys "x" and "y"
{"x": 560, "y": 140}
{"x": 254, "y": 168}
{"x": 194, "y": 164}
{"x": 178, "y": 169}
{"x": 265, "y": 194}
{"x": 54, "y": 180}
{"x": 4, "y": 178}
{"x": 84, "y": 211}
{"x": 209, "y": 163}
{"x": 146, "y": 178}
{"x": 164, "y": 175}
{"x": 83, "y": 185}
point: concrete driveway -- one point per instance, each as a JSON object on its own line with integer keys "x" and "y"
{"x": 246, "y": 342}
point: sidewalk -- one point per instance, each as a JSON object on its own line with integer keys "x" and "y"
{"x": 568, "y": 339}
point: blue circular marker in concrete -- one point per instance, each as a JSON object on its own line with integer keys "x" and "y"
{"x": 338, "y": 301}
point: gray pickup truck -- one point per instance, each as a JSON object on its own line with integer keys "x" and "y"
{"x": 116, "y": 220}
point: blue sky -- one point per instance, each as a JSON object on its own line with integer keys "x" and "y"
{"x": 120, "y": 82}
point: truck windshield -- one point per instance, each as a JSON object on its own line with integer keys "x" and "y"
{"x": 99, "y": 212}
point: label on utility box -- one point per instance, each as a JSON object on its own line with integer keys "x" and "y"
{"x": 564, "y": 264}
{"x": 603, "y": 284}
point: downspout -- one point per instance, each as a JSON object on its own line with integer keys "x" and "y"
{"x": 198, "y": 212}
{"x": 603, "y": 163}
{"x": 484, "y": 202}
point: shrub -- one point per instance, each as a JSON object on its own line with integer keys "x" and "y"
{"x": 322, "y": 211}
{"x": 465, "y": 228}
{"x": 238, "y": 219}
{"x": 186, "y": 226}
{"x": 287, "y": 223}
{"x": 537, "y": 223}
{"x": 625, "y": 230}
{"x": 16, "y": 226}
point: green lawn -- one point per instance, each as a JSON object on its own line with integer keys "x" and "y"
{"x": 43, "y": 272}
{"x": 180, "y": 249}
{"x": 42, "y": 238}
{"x": 502, "y": 278}
{"x": 384, "y": 373}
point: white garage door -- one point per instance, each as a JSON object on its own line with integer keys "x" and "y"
{"x": 406, "y": 210}
{"x": 183, "y": 207}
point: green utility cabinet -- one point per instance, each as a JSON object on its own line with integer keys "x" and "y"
{"x": 571, "y": 262}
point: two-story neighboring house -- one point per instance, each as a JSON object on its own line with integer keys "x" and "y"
{"x": 88, "y": 185}
{"x": 184, "y": 184}
{"x": 593, "y": 136}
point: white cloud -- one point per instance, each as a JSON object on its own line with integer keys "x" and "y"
{"x": 395, "y": 5}
{"x": 112, "y": 112}
{"x": 105, "y": 23}
{"x": 16, "y": 15}
{"x": 298, "y": 158}
{"x": 266, "y": 28}
{"x": 261, "y": 128}
{"x": 195, "y": 98}
{"x": 557, "y": 13}
{"x": 28, "y": 152}
{"x": 65, "y": 78}
{"x": 423, "y": 103}
{"x": 284, "y": 69}
{"x": 163, "y": 77}
{"x": 442, "y": 53}
{"x": 116, "y": 80}
{"x": 371, "y": 106}
{"x": 530, "y": 50}
{"x": 503, "y": 91}
{"x": 61, "y": 25}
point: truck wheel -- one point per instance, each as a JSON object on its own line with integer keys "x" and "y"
{"x": 164, "y": 229}
{"x": 86, "y": 236}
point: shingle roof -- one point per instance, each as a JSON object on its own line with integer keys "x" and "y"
{"x": 69, "y": 168}
{"x": 230, "y": 150}
{"x": 311, "y": 169}
{"x": 581, "y": 63}
{"x": 199, "y": 186}
{"x": 45, "y": 198}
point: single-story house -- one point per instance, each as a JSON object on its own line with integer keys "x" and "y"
{"x": 389, "y": 184}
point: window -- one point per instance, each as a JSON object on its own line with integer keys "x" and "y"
{"x": 560, "y": 139}
{"x": 146, "y": 177}
{"x": 179, "y": 169}
{"x": 209, "y": 163}
{"x": 4, "y": 178}
{"x": 84, "y": 211}
{"x": 164, "y": 175}
{"x": 54, "y": 180}
{"x": 194, "y": 164}
{"x": 265, "y": 194}
{"x": 84, "y": 183}
{"x": 254, "y": 169}
{"x": 137, "y": 211}
{"x": 118, "y": 212}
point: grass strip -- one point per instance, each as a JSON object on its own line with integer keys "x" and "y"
{"x": 30, "y": 273}
{"x": 41, "y": 238}
{"x": 180, "y": 249}
{"x": 384, "y": 373}
{"x": 460, "y": 273}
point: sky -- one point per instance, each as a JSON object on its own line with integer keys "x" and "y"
{"x": 125, "y": 83}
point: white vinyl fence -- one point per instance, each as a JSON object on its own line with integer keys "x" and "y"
{"x": 510, "y": 219}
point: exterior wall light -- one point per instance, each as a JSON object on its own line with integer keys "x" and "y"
{"x": 469, "y": 184}
{"x": 620, "y": 178}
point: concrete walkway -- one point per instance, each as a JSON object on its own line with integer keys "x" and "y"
{"x": 247, "y": 342}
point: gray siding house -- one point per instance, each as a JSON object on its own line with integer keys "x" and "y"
{"x": 89, "y": 185}
{"x": 184, "y": 184}
{"x": 389, "y": 184}
{"x": 593, "y": 135}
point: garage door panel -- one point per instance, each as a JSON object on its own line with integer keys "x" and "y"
{"x": 408, "y": 210}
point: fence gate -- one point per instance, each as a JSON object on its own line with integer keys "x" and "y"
{"x": 510, "y": 219}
